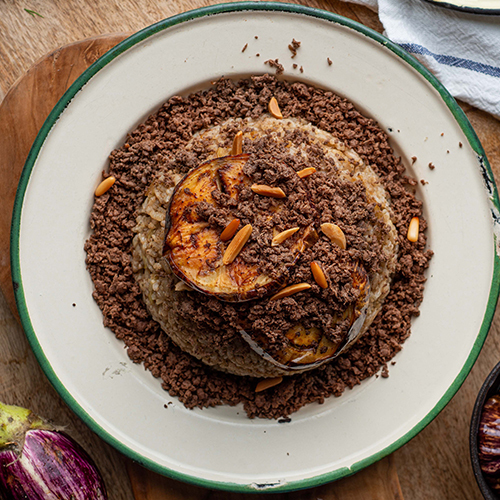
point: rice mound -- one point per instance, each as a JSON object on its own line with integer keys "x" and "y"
{"x": 157, "y": 282}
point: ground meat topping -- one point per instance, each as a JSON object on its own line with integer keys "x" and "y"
{"x": 335, "y": 199}
{"x": 158, "y": 143}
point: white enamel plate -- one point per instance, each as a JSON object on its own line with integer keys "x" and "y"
{"x": 221, "y": 447}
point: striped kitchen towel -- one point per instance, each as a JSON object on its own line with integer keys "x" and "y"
{"x": 461, "y": 49}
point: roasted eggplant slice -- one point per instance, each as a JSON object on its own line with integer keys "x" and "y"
{"x": 194, "y": 249}
{"x": 309, "y": 348}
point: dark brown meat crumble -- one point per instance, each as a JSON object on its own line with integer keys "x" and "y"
{"x": 159, "y": 141}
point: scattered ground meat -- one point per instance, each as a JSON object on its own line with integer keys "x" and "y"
{"x": 301, "y": 69}
{"x": 413, "y": 159}
{"x": 244, "y": 48}
{"x": 160, "y": 140}
{"x": 330, "y": 62}
{"x": 432, "y": 166}
{"x": 274, "y": 63}
{"x": 293, "y": 46}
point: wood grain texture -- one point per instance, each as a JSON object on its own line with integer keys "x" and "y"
{"x": 433, "y": 466}
{"x": 377, "y": 482}
{"x": 23, "y": 111}
{"x": 22, "y": 381}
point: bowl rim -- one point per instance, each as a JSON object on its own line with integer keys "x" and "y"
{"x": 128, "y": 43}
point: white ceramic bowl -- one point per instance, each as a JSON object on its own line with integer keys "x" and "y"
{"x": 221, "y": 447}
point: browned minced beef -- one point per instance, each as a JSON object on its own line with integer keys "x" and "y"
{"x": 159, "y": 141}
{"x": 293, "y": 46}
{"x": 309, "y": 202}
{"x": 274, "y": 63}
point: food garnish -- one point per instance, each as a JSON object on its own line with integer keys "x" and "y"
{"x": 291, "y": 290}
{"x": 105, "y": 185}
{"x": 284, "y": 235}
{"x": 272, "y": 192}
{"x": 267, "y": 383}
{"x": 237, "y": 144}
{"x": 237, "y": 244}
{"x": 305, "y": 172}
{"x": 274, "y": 108}
{"x": 413, "y": 230}
{"x": 230, "y": 230}
{"x": 38, "y": 462}
{"x": 335, "y": 234}
{"x": 319, "y": 275}
{"x": 201, "y": 259}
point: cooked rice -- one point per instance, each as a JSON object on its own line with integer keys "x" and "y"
{"x": 157, "y": 281}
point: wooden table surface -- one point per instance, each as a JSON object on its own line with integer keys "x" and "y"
{"x": 434, "y": 465}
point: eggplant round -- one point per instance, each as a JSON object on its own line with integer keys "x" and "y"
{"x": 309, "y": 347}
{"x": 193, "y": 248}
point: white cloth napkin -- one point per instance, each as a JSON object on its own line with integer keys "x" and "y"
{"x": 461, "y": 49}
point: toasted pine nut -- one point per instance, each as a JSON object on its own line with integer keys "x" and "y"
{"x": 267, "y": 383}
{"x": 236, "y": 245}
{"x": 335, "y": 234}
{"x": 290, "y": 290}
{"x": 221, "y": 152}
{"x": 272, "y": 192}
{"x": 319, "y": 275}
{"x": 237, "y": 144}
{"x": 274, "y": 108}
{"x": 182, "y": 287}
{"x": 284, "y": 235}
{"x": 413, "y": 229}
{"x": 230, "y": 230}
{"x": 104, "y": 186}
{"x": 306, "y": 172}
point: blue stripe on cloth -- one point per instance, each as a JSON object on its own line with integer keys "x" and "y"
{"x": 456, "y": 62}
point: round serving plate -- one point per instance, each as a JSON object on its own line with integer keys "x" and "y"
{"x": 220, "y": 447}
{"x": 484, "y": 7}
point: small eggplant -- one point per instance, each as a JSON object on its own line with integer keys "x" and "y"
{"x": 38, "y": 462}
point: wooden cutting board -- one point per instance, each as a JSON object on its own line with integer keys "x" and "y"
{"x": 22, "y": 114}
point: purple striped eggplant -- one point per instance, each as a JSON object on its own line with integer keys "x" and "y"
{"x": 38, "y": 462}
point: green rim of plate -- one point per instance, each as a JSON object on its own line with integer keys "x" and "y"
{"x": 52, "y": 119}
